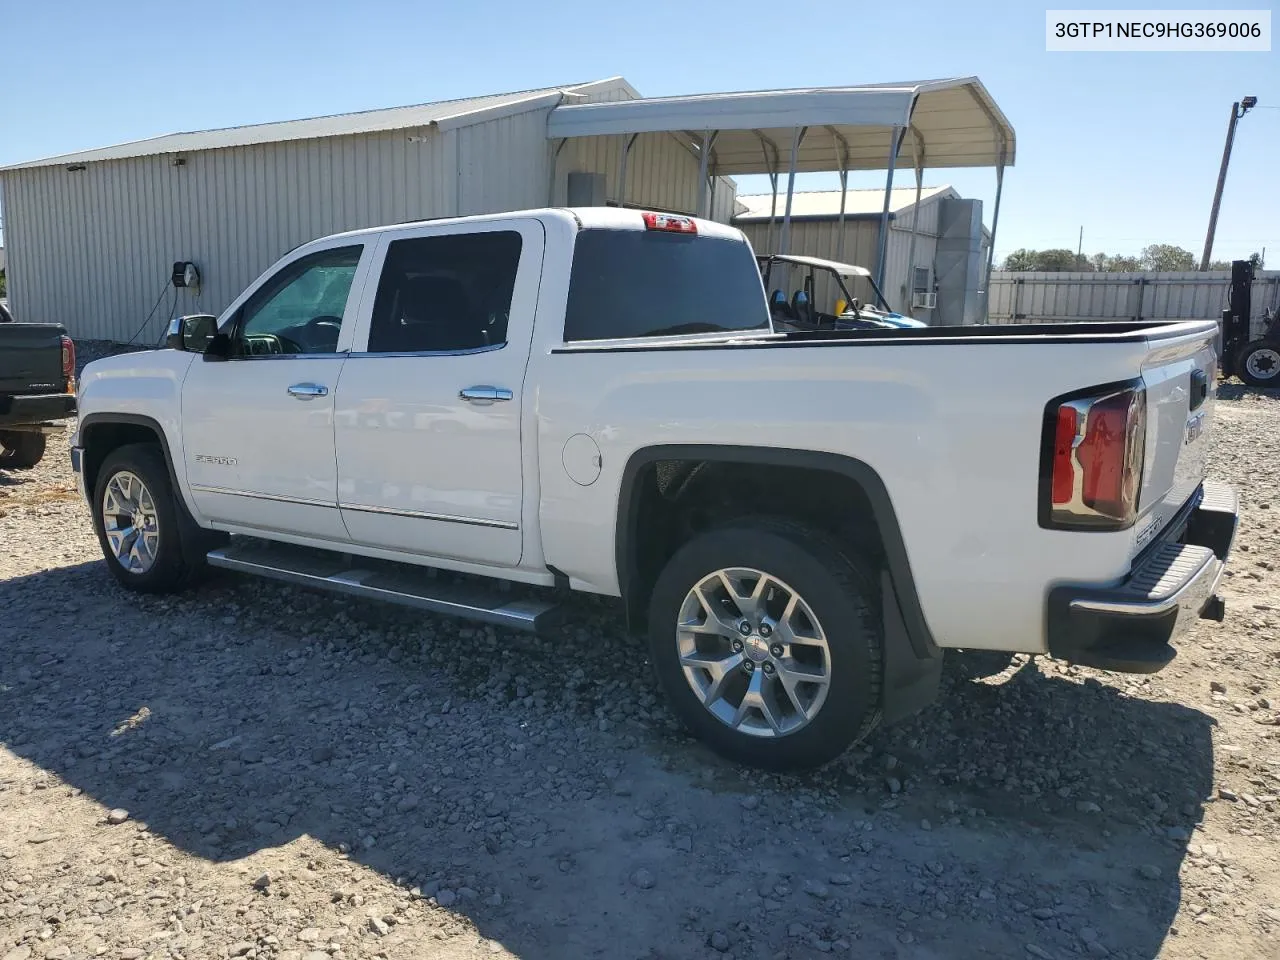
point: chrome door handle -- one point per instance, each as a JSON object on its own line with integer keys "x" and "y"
{"x": 484, "y": 394}
{"x": 308, "y": 391}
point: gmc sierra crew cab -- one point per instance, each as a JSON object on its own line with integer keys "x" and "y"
{"x": 597, "y": 400}
{"x": 37, "y": 389}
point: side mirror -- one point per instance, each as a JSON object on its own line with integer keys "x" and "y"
{"x": 192, "y": 333}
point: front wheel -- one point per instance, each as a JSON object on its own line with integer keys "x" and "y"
{"x": 140, "y": 525}
{"x": 766, "y": 637}
{"x": 1259, "y": 363}
{"x": 21, "y": 450}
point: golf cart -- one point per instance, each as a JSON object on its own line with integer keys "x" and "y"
{"x": 802, "y": 311}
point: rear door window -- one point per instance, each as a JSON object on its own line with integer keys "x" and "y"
{"x": 445, "y": 293}
{"x": 645, "y": 283}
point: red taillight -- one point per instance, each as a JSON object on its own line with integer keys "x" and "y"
{"x": 669, "y": 222}
{"x": 69, "y": 363}
{"x": 1063, "y": 447}
{"x": 1099, "y": 444}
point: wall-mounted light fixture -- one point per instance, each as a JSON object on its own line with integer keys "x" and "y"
{"x": 186, "y": 274}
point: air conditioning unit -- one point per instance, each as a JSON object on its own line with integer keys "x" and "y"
{"x": 924, "y": 301}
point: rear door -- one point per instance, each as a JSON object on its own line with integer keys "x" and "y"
{"x": 1181, "y": 377}
{"x": 428, "y": 417}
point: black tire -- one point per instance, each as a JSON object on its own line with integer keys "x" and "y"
{"x": 179, "y": 557}
{"x": 22, "y": 450}
{"x": 841, "y": 593}
{"x": 1264, "y": 356}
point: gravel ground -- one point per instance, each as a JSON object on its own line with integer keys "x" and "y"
{"x": 252, "y": 770}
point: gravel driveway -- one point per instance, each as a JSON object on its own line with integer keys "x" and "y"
{"x": 259, "y": 771}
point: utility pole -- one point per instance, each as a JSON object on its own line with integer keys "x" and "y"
{"x": 1238, "y": 110}
{"x": 1080, "y": 248}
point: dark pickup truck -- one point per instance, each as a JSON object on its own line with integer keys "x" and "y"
{"x": 37, "y": 389}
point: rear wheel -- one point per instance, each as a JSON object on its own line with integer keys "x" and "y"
{"x": 22, "y": 450}
{"x": 150, "y": 542}
{"x": 1259, "y": 364}
{"x": 765, "y": 636}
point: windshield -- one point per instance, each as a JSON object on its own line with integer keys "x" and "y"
{"x": 648, "y": 283}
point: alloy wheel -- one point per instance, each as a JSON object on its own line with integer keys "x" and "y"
{"x": 753, "y": 652}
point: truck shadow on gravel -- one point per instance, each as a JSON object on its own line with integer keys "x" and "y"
{"x": 540, "y": 789}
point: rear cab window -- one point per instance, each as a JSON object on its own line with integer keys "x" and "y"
{"x": 628, "y": 284}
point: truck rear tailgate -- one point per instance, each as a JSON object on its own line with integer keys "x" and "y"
{"x": 31, "y": 358}
{"x": 1180, "y": 377}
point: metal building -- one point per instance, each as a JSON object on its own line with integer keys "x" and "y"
{"x": 92, "y": 237}
{"x": 916, "y": 280}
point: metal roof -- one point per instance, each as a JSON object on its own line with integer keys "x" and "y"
{"x": 956, "y": 123}
{"x": 839, "y": 269}
{"x": 443, "y": 114}
{"x": 826, "y": 203}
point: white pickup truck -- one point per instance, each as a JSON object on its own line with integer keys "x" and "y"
{"x": 596, "y": 400}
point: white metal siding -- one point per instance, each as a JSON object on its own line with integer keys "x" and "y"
{"x": 503, "y": 164}
{"x": 821, "y": 238}
{"x": 661, "y": 172}
{"x": 1051, "y": 297}
{"x": 92, "y": 249}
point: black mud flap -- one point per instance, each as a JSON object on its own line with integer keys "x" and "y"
{"x": 910, "y": 679}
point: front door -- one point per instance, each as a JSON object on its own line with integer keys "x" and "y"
{"x": 258, "y": 427}
{"x": 428, "y": 418}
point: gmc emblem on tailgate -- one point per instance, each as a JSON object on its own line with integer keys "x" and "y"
{"x": 1195, "y": 427}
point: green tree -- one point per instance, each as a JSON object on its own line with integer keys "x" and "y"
{"x": 1052, "y": 261}
{"x": 1, "y": 281}
{"x": 1166, "y": 256}
{"x": 1105, "y": 263}
{"x": 1254, "y": 258}
{"x": 1020, "y": 260}
{"x": 1157, "y": 256}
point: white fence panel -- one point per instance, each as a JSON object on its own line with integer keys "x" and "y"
{"x": 1034, "y": 297}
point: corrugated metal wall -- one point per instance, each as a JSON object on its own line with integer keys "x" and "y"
{"x": 821, "y": 238}
{"x": 93, "y": 249}
{"x": 502, "y": 164}
{"x": 1061, "y": 297}
{"x": 661, "y": 172}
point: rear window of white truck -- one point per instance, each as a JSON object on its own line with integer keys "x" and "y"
{"x": 645, "y": 283}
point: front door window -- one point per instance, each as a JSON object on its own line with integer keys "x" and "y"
{"x": 299, "y": 310}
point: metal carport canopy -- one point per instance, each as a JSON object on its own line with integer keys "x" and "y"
{"x": 956, "y": 124}
{"x": 948, "y": 123}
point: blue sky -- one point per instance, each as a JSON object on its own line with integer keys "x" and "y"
{"x": 1126, "y": 145}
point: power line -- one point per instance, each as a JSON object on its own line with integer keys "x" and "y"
{"x": 163, "y": 291}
